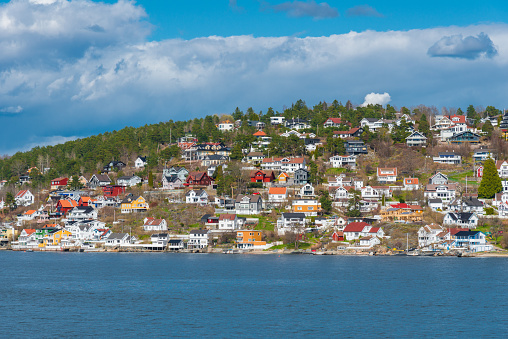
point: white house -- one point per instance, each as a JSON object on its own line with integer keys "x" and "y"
{"x": 376, "y": 192}
{"x": 338, "y": 161}
{"x": 277, "y": 120}
{"x": 469, "y": 204}
{"x": 291, "y": 222}
{"x": 416, "y": 139}
{"x": 369, "y": 241}
{"x": 411, "y": 184}
{"x": 502, "y": 168}
{"x": 436, "y": 204}
{"x": 474, "y": 241}
{"x": 307, "y": 190}
{"x": 277, "y": 194}
{"x": 171, "y": 182}
{"x": 248, "y": 204}
{"x": 128, "y": 181}
{"x": 198, "y": 239}
{"x": 152, "y": 224}
{"x": 196, "y": 197}
{"x": 431, "y": 234}
{"x": 438, "y": 179}
{"x": 448, "y": 158}
{"x": 80, "y": 213}
{"x": 140, "y": 162}
{"x": 446, "y": 192}
{"x": 386, "y": 175}
{"x": 119, "y": 239}
{"x": 356, "y": 230}
{"x": 332, "y": 122}
{"x": 226, "y": 126}
{"x": 229, "y": 222}
{"x": 24, "y": 198}
{"x": 461, "y": 219}
{"x": 289, "y": 165}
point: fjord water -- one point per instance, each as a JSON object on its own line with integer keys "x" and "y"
{"x": 249, "y": 296}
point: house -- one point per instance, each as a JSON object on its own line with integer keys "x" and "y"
{"x": 283, "y": 177}
{"x": 85, "y": 201}
{"x": 196, "y": 197}
{"x": 386, "y": 175}
{"x": 214, "y": 159}
{"x": 57, "y": 238}
{"x": 332, "y": 122}
{"x": 262, "y": 176}
{"x": 99, "y": 180}
{"x": 159, "y": 241}
{"x": 128, "y": 181}
{"x": 373, "y": 124}
{"x": 309, "y": 207}
{"x": 465, "y": 137}
{"x": 228, "y": 222}
{"x": 277, "y": 194}
{"x": 411, "y": 184}
{"x": 376, "y": 192}
{"x": 113, "y": 190}
{"x": 445, "y": 192}
{"x": 352, "y": 133}
{"x": 355, "y": 147}
{"x": 65, "y": 205}
{"x": 254, "y": 158}
{"x": 152, "y": 224}
{"x": 481, "y": 155}
{"x": 369, "y": 241}
{"x": 181, "y": 172}
{"x": 80, "y": 213}
{"x": 227, "y": 203}
{"x": 338, "y": 236}
{"x": 475, "y": 241}
{"x": 105, "y": 201}
{"x": 307, "y": 190}
{"x": 448, "y": 158}
{"x": 175, "y": 245}
{"x": 27, "y": 238}
{"x": 119, "y": 239}
{"x": 339, "y": 161}
{"x": 248, "y": 204}
{"x": 438, "y": 179}
{"x": 291, "y": 165}
{"x": 257, "y": 124}
{"x": 198, "y": 179}
{"x": 133, "y": 203}
{"x": 341, "y": 195}
{"x": 250, "y": 239}
{"x": 226, "y": 126}
{"x": 301, "y": 176}
{"x": 431, "y": 234}
{"x": 277, "y": 120}
{"x": 406, "y": 214}
{"x": 140, "y": 162}
{"x": 416, "y": 139}
{"x": 442, "y": 123}
{"x": 59, "y": 183}
{"x": 436, "y": 204}
{"x": 24, "y": 198}
{"x": 356, "y": 230}
{"x": 27, "y": 216}
{"x": 461, "y": 219}
{"x": 502, "y": 168}
{"x": 198, "y": 239}
{"x": 297, "y": 124}
{"x": 114, "y": 166}
{"x": 469, "y": 204}
{"x": 291, "y": 222}
{"x": 171, "y": 183}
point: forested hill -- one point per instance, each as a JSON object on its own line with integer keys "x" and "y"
{"x": 88, "y": 155}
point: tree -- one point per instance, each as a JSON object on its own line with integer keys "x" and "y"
{"x": 150, "y": 179}
{"x": 10, "y": 201}
{"x": 423, "y": 125}
{"x": 75, "y": 184}
{"x": 491, "y": 182}
{"x": 326, "y": 202}
{"x": 236, "y": 152}
{"x": 220, "y": 180}
{"x": 487, "y": 128}
{"x": 353, "y": 209}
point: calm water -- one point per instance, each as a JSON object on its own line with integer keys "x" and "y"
{"x": 247, "y": 296}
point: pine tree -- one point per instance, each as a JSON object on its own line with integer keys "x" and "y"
{"x": 491, "y": 182}
{"x": 150, "y": 179}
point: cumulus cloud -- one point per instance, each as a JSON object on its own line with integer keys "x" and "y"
{"x": 363, "y": 10}
{"x": 11, "y": 109}
{"x": 376, "y": 99}
{"x": 118, "y": 79}
{"x": 300, "y": 9}
{"x": 470, "y": 47}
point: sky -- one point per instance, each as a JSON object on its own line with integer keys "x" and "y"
{"x": 70, "y": 69}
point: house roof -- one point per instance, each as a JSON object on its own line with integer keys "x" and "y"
{"x": 29, "y": 231}
{"x": 499, "y": 163}
{"x": 196, "y": 175}
{"x": 117, "y": 236}
{"x": 227, "y": 217}
{"x": 60, "y": 179}
{"x": 334, "y": 120}
{"x": 29, "y": 212}
{"x": 391, "y": 171}
{"x": 355, "y": 227}
{"x": 252, "y": 198}
{"x": 411, "y": 181}
{"x": 433, "y": 187}
{"x": 463, "y": 216}
{"x": 259, "y": 134}
{"x": 199, "y": 231}
{"x": 68, "y": 203}
{"x": 374, "y": 229}
{"x": 102, "y": 177}
{"x": 351, "y": 131}
{"x": 457, "y": 119}
{"x": 277, "y": 190}
{"x": 293, "y": 215}
{"x": 153, "y": 222}
{"x": 466, "y": 233}
{"x": 21, "y": 193}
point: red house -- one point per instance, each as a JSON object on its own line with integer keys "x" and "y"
{"x": 59, "y": 183}
{"x": 85, "y": 201}
{"x": 479, "y": 172}
{"x": 338, "y": 236}
{"x": 198, "y": 179}
{"x": 262, "y": 176}
{"x": 113, "y": 190}
{"x": 64, "y": 206}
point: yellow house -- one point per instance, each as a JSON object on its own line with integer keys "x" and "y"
{"x": 56, "y": 238}
{"x": 249, "y": 238}
{"x": 283, "y": 177}
{"x": 310, "y": 207}
{"x": 134, "y": 204}
{"x": 8, "y": 233}
{"x": 401, "y": 214}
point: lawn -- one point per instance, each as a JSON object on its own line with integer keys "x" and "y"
{"x": 461, "y": 178}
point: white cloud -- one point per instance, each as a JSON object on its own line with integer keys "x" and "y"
{"x": 89, "y": 67}
{"x": 377, "y": 99}
{"x": 11, "y": 109}
{"x": 470, "y": 47}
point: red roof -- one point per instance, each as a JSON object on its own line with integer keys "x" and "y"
{"x": 68, "y": 203}
{"x": 227, "y": 217}
{"x": 334, "y": 120}
{"x": 29, "y": 231}
{"x": 391, "y": 171}
{"x": 152, "y": 221}
{"x": 21, "y": 193}
{"x": 355, "y": 227}
{"x": 374, "y": 229}
{"x": 351, "y": 131}
{"x": 411, "y": 181}
{"x": 259, "y": 134}
{"x": 277, "y": 190}
{"x": 457, "y": 119}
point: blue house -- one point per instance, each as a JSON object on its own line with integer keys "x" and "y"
{"x": 465, "y": 137}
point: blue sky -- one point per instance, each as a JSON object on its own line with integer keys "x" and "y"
{"x": 71, "y": 69}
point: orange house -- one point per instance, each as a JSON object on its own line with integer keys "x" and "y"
{"x": 249, "y": 239}
{"x": 283, "y": 177}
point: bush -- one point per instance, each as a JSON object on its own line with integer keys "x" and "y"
{"x": 255, "y": 185}
{"x": 489, "y": 211}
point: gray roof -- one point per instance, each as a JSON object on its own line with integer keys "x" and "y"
{"x": 293, "y": 215}
{"x": 435, "y": 201}
{"x": 117, "y": 236}
{"x": 252, "y": 198}
{"x": 102, "y": 177}
{"x": 199, "y": 231}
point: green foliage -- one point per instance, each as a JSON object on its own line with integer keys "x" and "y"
{"x": 423, "y": 125}
{"x": 236, "y": 152}
{"x": 326, "y": 202}
{"x": 282, "y": 147}
{"x": 491, "y": 111}
{"x": 401, "y": 132}
{"x": 489, "y": 211}
{"x": 487, "y": 128}
{"x": 150, "y": 179}
{"x": 74, "y": 183}
{"x": 255, "y": 185}
{"x": 491, "y": 182}
{"x": 10, "y": 201}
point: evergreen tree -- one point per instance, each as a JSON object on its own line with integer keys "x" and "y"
{"x": 491, "y": 182}
{"x": 219, "y": 179}
{"x": 423, "y": 125}
{"x": 487, "y": 128}
{"x": 75, "y": 184}
{"x": 10, "y": 201}
{"x": 150, "y": 179}
{"x": 326, "y": 202}
{"x": 236, "y": 152}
